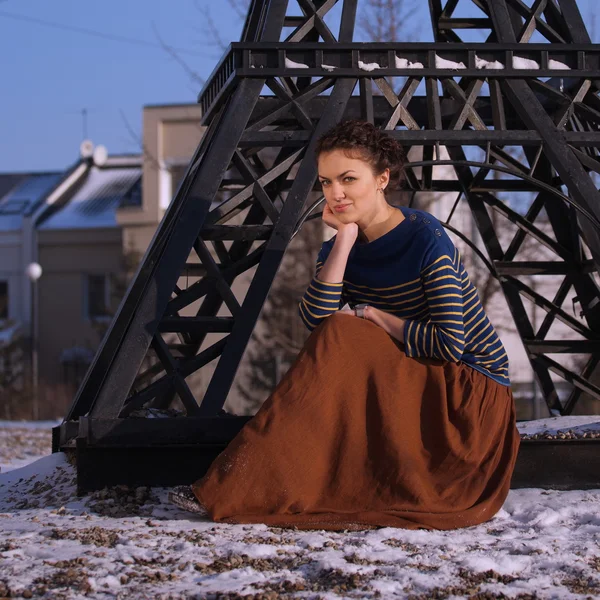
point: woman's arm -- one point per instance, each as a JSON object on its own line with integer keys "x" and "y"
{"x": 392, "y": 324}
{"x": 442, "y": 334}
{"x": 324, "y": 294}
{"x": 335, "y": 266}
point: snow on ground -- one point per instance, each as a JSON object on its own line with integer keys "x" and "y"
{"x": 19, "y": 445}
{"x": 133, "y": 543}
{"x": 578, "y": 424}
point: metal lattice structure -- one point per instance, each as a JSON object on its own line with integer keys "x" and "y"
{"x": 532, "y": 85}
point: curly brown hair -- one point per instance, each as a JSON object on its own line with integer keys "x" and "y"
{"x": 365, "y": 141}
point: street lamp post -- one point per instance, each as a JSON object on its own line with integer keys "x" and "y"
{"x": 34, "y": 272}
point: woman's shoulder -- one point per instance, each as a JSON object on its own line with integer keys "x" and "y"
{"x": 421, "y": 217}
{"x": 428, "y": 227}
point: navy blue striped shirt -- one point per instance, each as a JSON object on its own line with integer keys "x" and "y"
{"x": 415, "y": 272}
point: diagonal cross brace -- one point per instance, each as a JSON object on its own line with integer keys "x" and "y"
{"x": 151, "y": 307}
{"x": 534, "y": 115}
{"x": 222, "y": 379}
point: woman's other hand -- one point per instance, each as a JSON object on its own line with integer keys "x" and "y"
{"x": 368, "y": 312}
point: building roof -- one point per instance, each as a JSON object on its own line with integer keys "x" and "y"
{"x": 23, "y": 193}
{"x": 173, "y": 105}
{"x": 10, "y": 180}
{"x": 103, "y": 190}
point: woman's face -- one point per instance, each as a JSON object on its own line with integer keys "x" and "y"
{"x": 350, "y": 187}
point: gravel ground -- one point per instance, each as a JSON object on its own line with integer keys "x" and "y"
{"x": 131, "y": 543}
{"x": 21, "y": 445}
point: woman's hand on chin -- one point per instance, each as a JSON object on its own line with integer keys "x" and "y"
{"x": 346, "y": 231}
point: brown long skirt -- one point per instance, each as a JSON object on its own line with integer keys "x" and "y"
{"x": 359, "y": 436}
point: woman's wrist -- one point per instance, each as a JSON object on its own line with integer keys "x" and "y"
{"x": 370, "y": 313}
{"x": 365, "y": 311}
{"x": 345, "y": 239}
{"x": 360, "y": 310}
{"x": 390, "y": 323}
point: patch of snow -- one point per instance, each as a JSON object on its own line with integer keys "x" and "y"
{"x": 22, "y": 442}
{"x": 442, "y": 63}
{"x": 29, "y": 424}
{"x": 404, "y": 63}
{"x": 290, "y": 64}
{"x": 481, "y": 63}
{"x": 42, "y": 468}
{"x": 368, "y": 66}
{"x": 556, "y": 64}
{"x": 578, "y": 423}
{"x": 328, "y": 67}
{"x": 524, "y": 63}
{"x": 542, "y": 544}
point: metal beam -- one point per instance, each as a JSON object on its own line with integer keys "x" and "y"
{"x": 555, "y": 144}
{"x": 223, "y": 376}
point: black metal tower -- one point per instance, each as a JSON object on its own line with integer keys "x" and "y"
{"x": 519, "y": 112}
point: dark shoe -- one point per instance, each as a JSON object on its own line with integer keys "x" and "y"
{"x": 184, "y": 497}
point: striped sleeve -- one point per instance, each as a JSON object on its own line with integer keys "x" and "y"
{"x": 321, "y": 299}
{"x": 442, "y": 334}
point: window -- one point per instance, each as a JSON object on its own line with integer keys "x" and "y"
{"x": 97, "y": 296}
{"x": 169, "y": 179}
{"x": 3, "y": 299}
{"x": 177, "y": 173}
{"x": 133, "y": 196}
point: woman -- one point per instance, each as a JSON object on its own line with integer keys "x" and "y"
{"x": 398, "y": 410}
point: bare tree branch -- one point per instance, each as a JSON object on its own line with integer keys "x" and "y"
{"x": 139, "y": 141}
{"x": 592, "y": 26}
{"x": 385, "y": 20}
{"x": 210, "y": 30}
{"x": 173, "y": 53}
{"x": 240, "y": 7}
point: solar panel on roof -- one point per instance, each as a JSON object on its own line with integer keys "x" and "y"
{"x": 28, "y": 193}
{"x": 96, "y": 201}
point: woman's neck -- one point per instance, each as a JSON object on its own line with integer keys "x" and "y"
{"x": 378, "y": 228}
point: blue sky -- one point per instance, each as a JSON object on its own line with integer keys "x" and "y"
{"x": 55, "y": 71}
